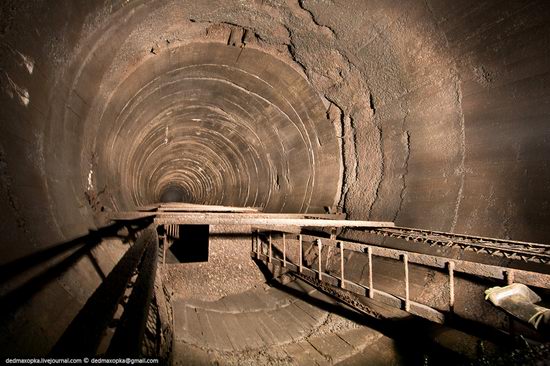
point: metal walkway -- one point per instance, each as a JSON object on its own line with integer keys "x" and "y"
{"x": 525, "y": 251}
{"x": 265, "y": 240}
{"x": 275, "y": 235}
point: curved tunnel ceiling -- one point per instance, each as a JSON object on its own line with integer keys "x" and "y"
{"x": 226, "y": 125}
{"x": 426, "y": 113}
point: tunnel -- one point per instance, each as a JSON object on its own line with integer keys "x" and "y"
{"x": 429, "y": 114}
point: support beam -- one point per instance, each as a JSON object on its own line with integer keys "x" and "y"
{"x": 250, "y": 218}
{"x": 261, "y": 220}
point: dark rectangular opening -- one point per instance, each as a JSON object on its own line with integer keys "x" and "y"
{"x": 192, "y": 244}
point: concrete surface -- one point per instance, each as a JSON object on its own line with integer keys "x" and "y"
{"x": 270, "y": 326}
{"x": 427, "y": 113}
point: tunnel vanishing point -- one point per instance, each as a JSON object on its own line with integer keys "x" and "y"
{"x": 278, "y": 182}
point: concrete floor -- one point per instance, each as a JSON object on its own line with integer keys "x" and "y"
{"x": 271, "y": 325}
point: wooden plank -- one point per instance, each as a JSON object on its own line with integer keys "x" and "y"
{"x": 148, "y": 208}
{"x": 188, "y": 207}
{"x": 261, "y": 333}
{"x": 301, "y": 328}
{"x": 312, "y": 311}
{"x": 130, "y": 216}
{"x": 191, "y": 215}
{"x": 256, "y": 219}
{"x": 245, "y": 302}
{"x": 258, "y": 301}
{"x": 192, "y": 354}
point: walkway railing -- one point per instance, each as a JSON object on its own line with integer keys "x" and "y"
{"x": 263, "y": 243}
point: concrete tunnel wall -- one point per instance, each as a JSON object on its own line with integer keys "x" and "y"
{"x": 431, "y": 114}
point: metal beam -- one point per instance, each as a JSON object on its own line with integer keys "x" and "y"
{"x": 479, "y": 269}
{"x": 228, "y": 217}
{"x": 300, "y": 220}
{"x": 188, "y": 207}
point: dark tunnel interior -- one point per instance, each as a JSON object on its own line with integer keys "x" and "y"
{"x": 427, "y": 113}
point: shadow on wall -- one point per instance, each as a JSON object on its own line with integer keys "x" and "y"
{"x": 21, "y": 279}
{"x": 411, "y": 336}
{"x": 128, "y": 286}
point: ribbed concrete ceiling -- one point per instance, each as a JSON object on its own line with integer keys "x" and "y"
{"x": 437, "y": 111}
{"x": 219, "y": 125}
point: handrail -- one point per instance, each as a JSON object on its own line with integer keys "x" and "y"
{"x": 512, "y": 249}
{"x": 451, "y": 266}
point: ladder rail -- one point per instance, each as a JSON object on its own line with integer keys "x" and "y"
{"x": 446, "y": 265}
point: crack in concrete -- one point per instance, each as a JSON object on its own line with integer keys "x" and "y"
{"x": 339, "y": 124}
{"x": 407, "y": 143}
{"x": 462, "y": 166}
{"x": 313, "y": 19}
{"x": 292, "y": 50}
{"x": 348, "y": 139}
{"x": 371, "y": 101}
{"x": 353, "y": 131}
{"x": 296, "y": 20}
{"x": 382, "y": 170}
{"x": 349, "y": 155}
